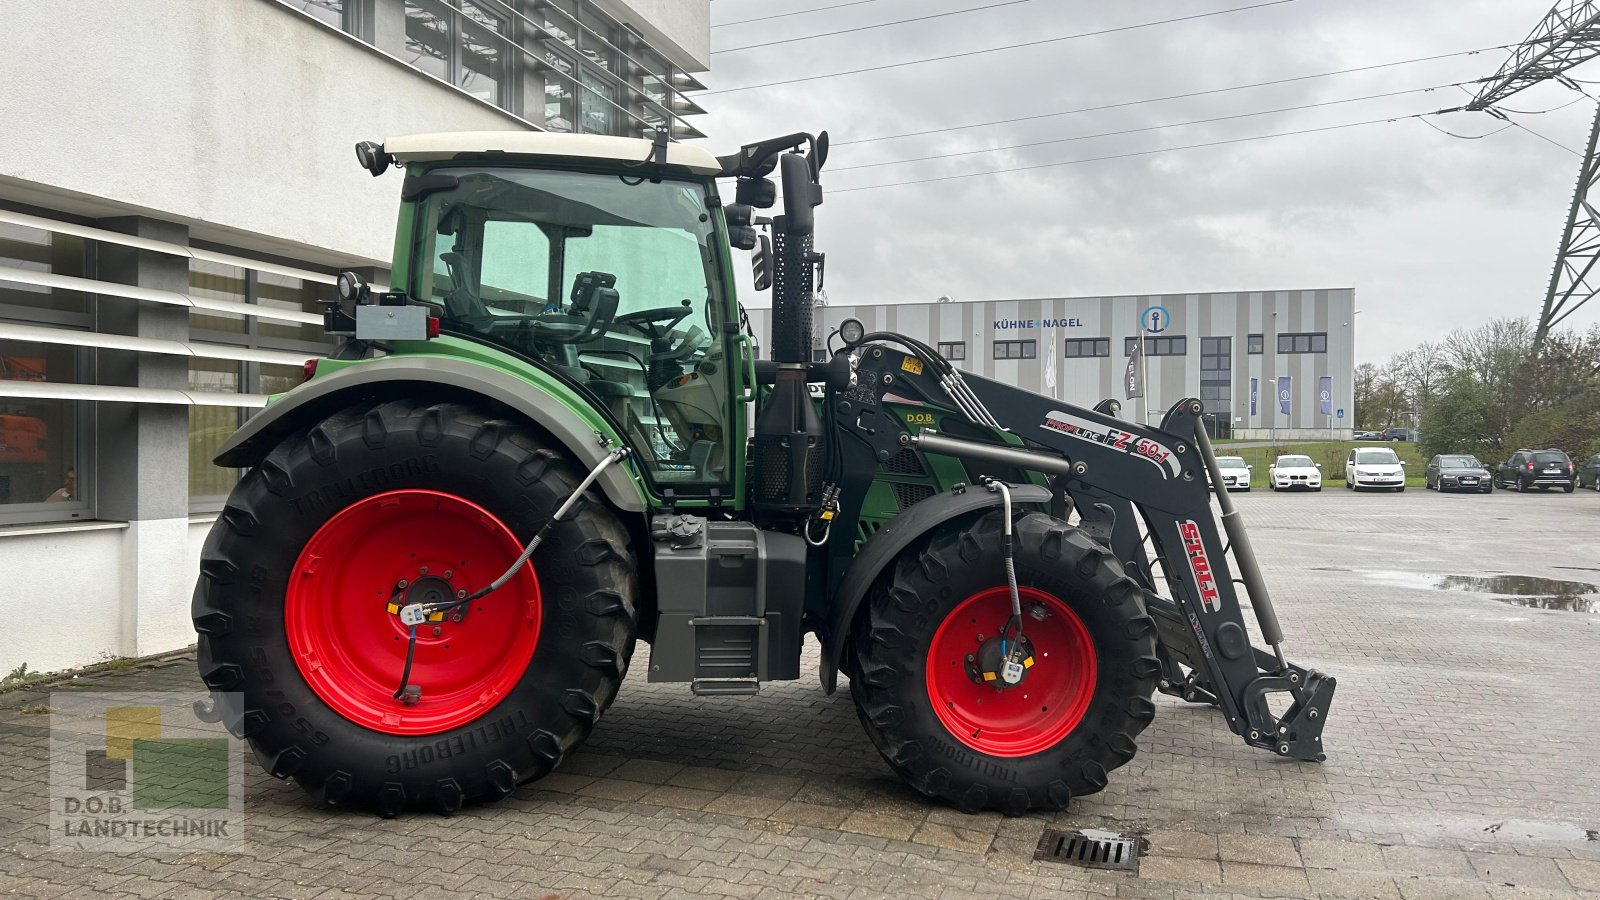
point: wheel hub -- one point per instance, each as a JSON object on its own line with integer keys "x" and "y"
{"x": 987, "y": 665}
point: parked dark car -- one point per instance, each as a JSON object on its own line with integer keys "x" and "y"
{"x": 1589, "y": 472}
{"x": 1457, "y": 472}
{"x": 1398, "y": 434}
{"x": 1542, "y": 469}
{"x": 1368, "y": 436}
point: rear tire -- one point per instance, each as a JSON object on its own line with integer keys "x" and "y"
{"x": 908, "y": 649}
{"x": 302, "y": 658}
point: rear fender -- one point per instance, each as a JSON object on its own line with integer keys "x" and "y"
{"x": 402, "y": 376}
{"x": 883, "y": 547}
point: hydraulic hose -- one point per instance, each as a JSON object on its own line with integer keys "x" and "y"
{"x": 413, "y": 614}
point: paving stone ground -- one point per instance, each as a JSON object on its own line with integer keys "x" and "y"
{"x": 1463, "y": 761}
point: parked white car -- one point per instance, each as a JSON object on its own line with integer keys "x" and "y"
{"x": 1294, "y": 473}
{"x": 1235, "y": 473}
{"x": 1374, "y": 467}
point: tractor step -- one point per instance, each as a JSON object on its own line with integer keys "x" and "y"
{"x": 725, "y": 687}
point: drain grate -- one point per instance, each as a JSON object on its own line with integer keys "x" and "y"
{"x": 1090, "y": 849}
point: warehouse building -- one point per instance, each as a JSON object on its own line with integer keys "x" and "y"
{"x": 1267, "y": 364}
{"x": 178, "y": 189}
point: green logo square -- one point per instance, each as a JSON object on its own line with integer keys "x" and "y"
{"x": 180, "y": 773}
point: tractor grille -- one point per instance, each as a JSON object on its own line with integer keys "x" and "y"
{"x": 908, "y": 495}
{"x": 1090, "y": 849}
{"x": 906, "y": 462}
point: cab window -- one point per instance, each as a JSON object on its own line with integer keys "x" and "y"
{"x": 611, "y": 283}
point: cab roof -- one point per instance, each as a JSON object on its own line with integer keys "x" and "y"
{"x": 544, "y": 145}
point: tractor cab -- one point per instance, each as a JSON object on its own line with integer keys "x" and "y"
{"x": 567, "y": 253}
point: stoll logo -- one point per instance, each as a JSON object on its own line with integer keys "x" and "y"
{"x": 1155, "y": 319}
{"x": 146, "y": 772}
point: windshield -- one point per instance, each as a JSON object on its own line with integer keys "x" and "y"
{"x": 610, "y": 282}
{"x": 1377, "y": 458}
{"x": 1231, "y": 462}
{"x": 1295, "y": 462}
{"x": 1459, "y": 462}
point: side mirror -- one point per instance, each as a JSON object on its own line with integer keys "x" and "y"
{"x": 1402, "y": 462}
{"x": 1319, "y": 465}
{"x": 761, "y": 263}
{"x": 801, "y": 194}
{"x": 742, "y": 237}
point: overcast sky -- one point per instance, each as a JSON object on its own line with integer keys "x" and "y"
{"x": 1431, "y": 231}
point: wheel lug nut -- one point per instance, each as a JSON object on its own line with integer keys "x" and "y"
{"x": 461, "y": 595}
{"x": 402, "y": 583}
{"x": 423, "y": 570}
{"x": 448, "y": 574}
{"x": 437, "y": 631}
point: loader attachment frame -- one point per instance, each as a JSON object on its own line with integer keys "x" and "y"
{"x": 1141, "y": 491}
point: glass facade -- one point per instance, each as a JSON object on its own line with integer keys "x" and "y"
{"x": 1016, "y": 349}
{"x": 563, "y": 65}
{"x": 953, "y": 349}
{"x": 1309, "y": 342}
{"x": 1087, "y": 347}
{"x": 1216, "y": 376}
{"x": 1158, "y": 346}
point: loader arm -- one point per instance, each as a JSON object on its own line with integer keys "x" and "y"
{"x": 1141, "y": 491}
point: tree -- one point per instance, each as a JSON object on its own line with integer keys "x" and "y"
{"x": 1461, "y": 418}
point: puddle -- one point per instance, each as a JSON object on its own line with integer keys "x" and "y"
{"x": 1517, "y": 590}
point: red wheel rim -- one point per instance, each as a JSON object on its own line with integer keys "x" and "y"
{"x": 351, "y": 648}
{"x": 1034, "y": 715}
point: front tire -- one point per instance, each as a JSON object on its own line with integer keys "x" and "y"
{"x": 1095, "y": 667}
{"x": 317, "y": 548}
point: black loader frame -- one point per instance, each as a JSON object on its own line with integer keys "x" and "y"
{"x": 1116, "y": 475}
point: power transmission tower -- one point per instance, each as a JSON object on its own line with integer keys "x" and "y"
{"x": 1567, "y": 36}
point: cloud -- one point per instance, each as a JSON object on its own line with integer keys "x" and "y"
{"x": 1431, "y": 231}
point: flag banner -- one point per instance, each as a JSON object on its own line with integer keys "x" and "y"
{"x": 1284, "y": 385}
{"x": 1255, "y": 391}
{"x": 1131, "y": 378}
{"x": 1325, "y": 394}
{"x": 1050, "y": 366}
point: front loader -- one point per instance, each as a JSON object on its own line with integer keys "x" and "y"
{"x": 551, "y": 436}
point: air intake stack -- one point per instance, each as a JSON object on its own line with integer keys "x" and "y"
{"x": 788, "y": 445}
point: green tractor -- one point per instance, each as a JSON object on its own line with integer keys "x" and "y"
{"x": 553, "y": 437}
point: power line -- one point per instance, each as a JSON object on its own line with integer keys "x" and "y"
{"x": 810, "y": 37}
{"x": 968, "y": 53}
{"x": 1085, "y": 137}
{"x": 1184, "y": 96}
{"x": 1136, "y": 153}
{"x": 1545, "y": 139}
{"x": 1465, "y": 137}
{"x": 798, "y": 12}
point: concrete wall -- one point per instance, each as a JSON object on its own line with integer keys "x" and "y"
{"x": 1086, "y": 381}
{"x": 680, "y": 29}
{"x": 62, "y": 596}
{"x": 237, "y": 118}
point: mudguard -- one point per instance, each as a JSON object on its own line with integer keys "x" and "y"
{"x": 410, "y": 376}
{"x": 882, "y": 548}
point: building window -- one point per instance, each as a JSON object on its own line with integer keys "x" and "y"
{"x": 953, "y": 349}
{"x": 1015, "y": 349}
{"x": 1086, "y": 347}
{"x": 1310, "y": 342}
{"x": 209, "y": 426}
{"x": 1159, "y": 346}
{"x": 44, "y": 444}
{"x": 1216, "y": 380}
{"x": 1255, "y": 344}
{"x": 461, "y": 42}
{"x": 819, "y": 355}
{"x": 334, "y": 12}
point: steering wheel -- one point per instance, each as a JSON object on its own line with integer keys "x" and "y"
{"x": 658, "y": 321}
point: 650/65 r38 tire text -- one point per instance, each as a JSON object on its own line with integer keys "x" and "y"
{"x": 317, "y": 549}
{"x": 1074, "y": 716}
